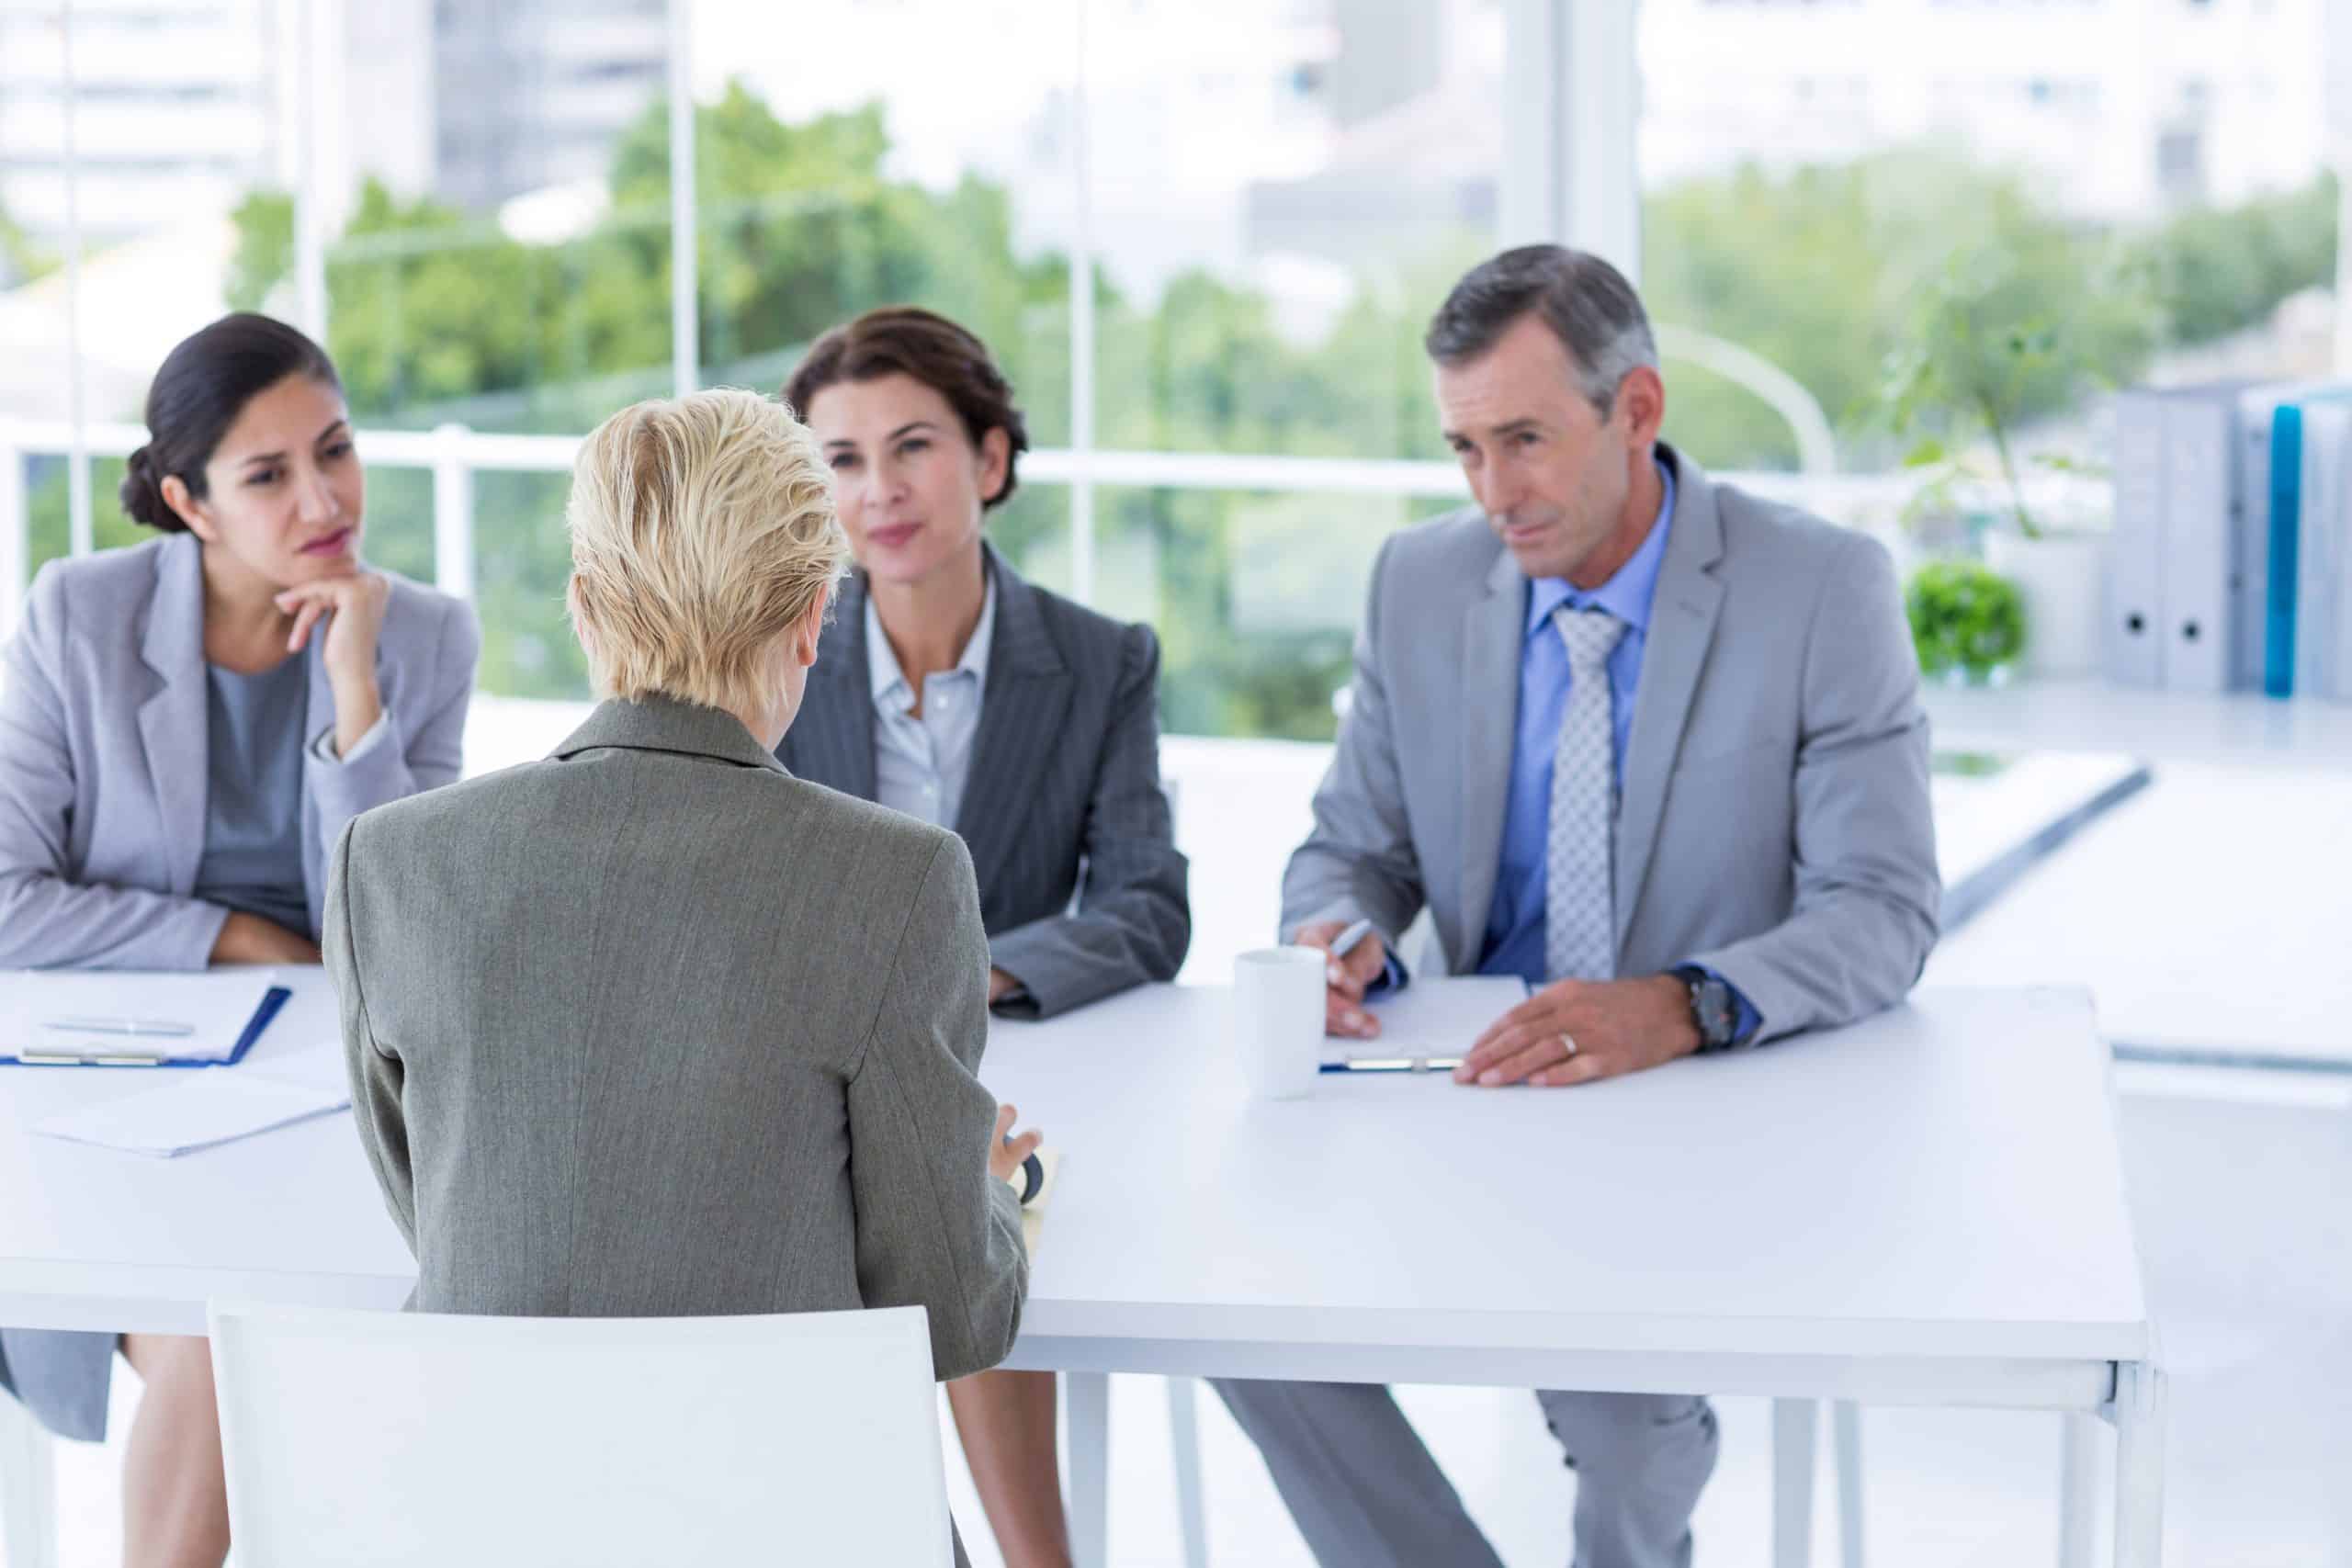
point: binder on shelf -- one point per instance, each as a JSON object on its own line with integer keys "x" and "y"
{"x": 2335, "y": 665}
{"x": 2320, "y": 548}
{"x": 2270, "y": 483}
{"x": 2285, "y": 531}
{"x": 2132, "y": 648}
{"x": 2200, "y": 570}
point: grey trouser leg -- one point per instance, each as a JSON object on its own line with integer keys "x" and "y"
{"x": 1365, "y": 1493}
{"x": 1641, "y": 1461}
{"x": 1358, "y": 1481}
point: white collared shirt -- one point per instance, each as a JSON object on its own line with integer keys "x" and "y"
{"x": 921, "y": 764}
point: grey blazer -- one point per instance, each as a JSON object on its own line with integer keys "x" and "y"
{"x": 1774, "y": 822}
{"x": 652, "y": 1028}
{"x": 1063, "y": 796}
{"x": 103, "y": 764}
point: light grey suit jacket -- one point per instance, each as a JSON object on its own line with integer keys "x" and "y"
{"x": 652, "y": 1028}
{"x": 104, "y": 744}
{"x": 1063, "y": 797}
{"x": 1774, "y": 822}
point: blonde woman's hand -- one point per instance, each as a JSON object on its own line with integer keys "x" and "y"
{"x": 1005, "y": 1151}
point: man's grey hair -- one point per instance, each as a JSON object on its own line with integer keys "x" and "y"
{"x": 1587, "y": 303}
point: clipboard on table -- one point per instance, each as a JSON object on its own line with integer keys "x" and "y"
{"x": 1428, "y": 1026}
{"x": 79, "y": 1018}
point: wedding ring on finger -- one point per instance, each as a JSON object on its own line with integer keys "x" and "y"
{"x": 1568, "y": 1043}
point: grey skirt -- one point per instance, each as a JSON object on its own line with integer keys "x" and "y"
{"x": 61, "y": 1377}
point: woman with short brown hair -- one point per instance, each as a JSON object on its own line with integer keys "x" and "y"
{"x": 949, "y": 688}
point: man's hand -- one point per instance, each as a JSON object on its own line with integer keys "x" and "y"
{"x": 1617, "y": 1026}
{"x": 1006, "y": 1153}
{"x": 249, "y": 939}
{"x": 1000, "y": 985}
{"x": 1345, "y": 978}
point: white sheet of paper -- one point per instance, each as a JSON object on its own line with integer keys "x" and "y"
{"x": 1437, "y": 1016}
{"x": 216, "y": 1005}
{"x": 201, "y": 1108}
{"x": 316, "y": 1067}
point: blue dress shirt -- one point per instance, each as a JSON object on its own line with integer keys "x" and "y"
{"x": 1514, "y": 943}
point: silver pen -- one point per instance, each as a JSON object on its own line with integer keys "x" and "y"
{"x": 141, "y": 1028}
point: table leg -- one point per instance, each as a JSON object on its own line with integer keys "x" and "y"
{"x": 27, "y": 1490}
{"x": 2078, "y": 1489}
{"x": 1846, "y": 1425}
{"x": 1795, "y": 1424}
{"x": 1184, "y": 1443}
{"x": 1086, "y": 1405}
{"x": 2138, "y": 1465}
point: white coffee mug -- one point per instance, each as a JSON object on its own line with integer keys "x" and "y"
{"x": 1278, "y": 1019}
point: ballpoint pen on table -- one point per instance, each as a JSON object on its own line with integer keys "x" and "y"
{"x": 68, "y": 1059}
{"x": 1394, "y": 1065}
{"x": 136, "y": 1027}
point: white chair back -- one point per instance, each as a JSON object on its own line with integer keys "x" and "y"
{"x": 367, "y": 1438}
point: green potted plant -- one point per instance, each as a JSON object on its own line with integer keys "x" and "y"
{"x": 1967, "y": 620}
{"x": 1988, "y": 352}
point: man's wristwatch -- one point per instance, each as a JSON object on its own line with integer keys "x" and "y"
{"x": 1713, "y": 1007}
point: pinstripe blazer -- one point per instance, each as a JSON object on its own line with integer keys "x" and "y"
{"x": 1063, "y": 796}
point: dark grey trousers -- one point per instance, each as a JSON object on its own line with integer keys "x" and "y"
{"x": 1365, "y": 1493}
{"x": 62, "y": 1377}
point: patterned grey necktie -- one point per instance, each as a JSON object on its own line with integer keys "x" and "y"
{"x": 1579, "y": 907}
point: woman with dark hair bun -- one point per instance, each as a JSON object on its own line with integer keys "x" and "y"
{"x": 948, "y": 688}
{"x": 187, "y": 726}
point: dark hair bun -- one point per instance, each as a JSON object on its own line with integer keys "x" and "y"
{"x": 204, "y": 384}
{"x": 143, "y": 494}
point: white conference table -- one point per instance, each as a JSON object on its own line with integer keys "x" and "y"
{"x": 1925, "y": 1209}
{"x": 2207, "y": 914}
{"x": 2233, "y": 729}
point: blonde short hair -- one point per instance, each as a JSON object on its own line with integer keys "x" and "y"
{"x": 702, "y": 527}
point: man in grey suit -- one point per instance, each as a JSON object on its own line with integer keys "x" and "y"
{"x": 1649, "y": 742}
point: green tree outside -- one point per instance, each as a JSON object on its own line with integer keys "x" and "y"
{"x": 439, "y": 316}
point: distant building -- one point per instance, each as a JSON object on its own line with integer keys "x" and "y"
{"x": 2126, "y": 107}
{"x": 176, "y": 113}
{"x": 2129, "y": 106}
{"x": 180, "y": 107}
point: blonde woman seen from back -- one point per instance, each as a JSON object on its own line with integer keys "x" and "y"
{"x": 652, "y": 1028}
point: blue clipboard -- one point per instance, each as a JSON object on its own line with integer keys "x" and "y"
{"x": 272, "y": 1001}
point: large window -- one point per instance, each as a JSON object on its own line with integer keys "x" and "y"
{"x": 832, "y": 180}
{"x": 2139, "y": 191}
{"x": 1202, "y": 240}
{"x": 1277, "y": 195}
{"x": 124, "y": 141}
{"x": 1202, "y": 237}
